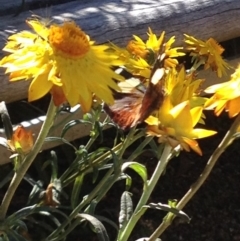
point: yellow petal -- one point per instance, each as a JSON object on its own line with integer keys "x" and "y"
{"x": 39, "y": 28}
{"x": 233, "y": 107}
{"x": 196, "y": 114}
{"x": 151, "y": 120}
{"x": 39, "y": 87}
{"x": 85, "y": 104}
{"x": 194, "y": 145}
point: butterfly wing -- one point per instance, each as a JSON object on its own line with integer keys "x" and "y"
{"x": 125, "y": 110}
{"x": 135, "y": 106}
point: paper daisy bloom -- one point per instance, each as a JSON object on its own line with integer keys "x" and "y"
{"x": 62, "y": 60}
{"x": 225, "y": 96}
{"x": 150, "y": 50}
{"x": 209, "y": 53}
{"x": 140, "y": 56}
{"x": 22, "y": 141}
{"x": 175, "y": 126}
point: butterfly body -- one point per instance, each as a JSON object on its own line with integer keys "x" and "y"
{"x": 132, "y": 108}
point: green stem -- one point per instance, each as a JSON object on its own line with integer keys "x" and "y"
{"x": 87, "y": 199}
{"x": 67, "y": 179}
{"x": 102, "y": 184}
{"x": 226, "y": 141}
{"x": 124, "y": 235}
{"x": 20, "y": 173}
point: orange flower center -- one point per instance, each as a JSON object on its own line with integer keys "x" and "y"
{"x": 69, "y": 39}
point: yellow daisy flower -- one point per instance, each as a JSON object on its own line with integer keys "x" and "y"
{"x": 139, "y": 48}
{"x": 209, "y": 53}
{"x": 226, "y": 96}
{"x": 140, "y": 56}
{"x": 175, "y": 125}
{"x": 180, "y": 86}
{"x": 171, "y": 53}
{"x": 62, "y": 60}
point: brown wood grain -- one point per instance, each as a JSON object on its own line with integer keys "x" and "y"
{"x": 117, "y": 21}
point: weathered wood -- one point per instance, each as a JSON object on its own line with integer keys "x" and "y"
{"x": 35, "y": 124}
{"x": 117, "y": 20}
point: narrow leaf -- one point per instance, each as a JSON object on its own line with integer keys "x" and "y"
{"x": 98, "y": 226}
{"x": 76, "y": 190}
{"x": 7, "y": 125}
{"x": 170, "y": 209}
{"x": 73, "y": 123}
{"x": 146, "y": 239}
{"x": 126, "y": 209}
{"x": 138, "y": 168}
{"x": 54, "y": 164}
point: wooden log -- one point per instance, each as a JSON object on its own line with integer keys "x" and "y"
{"x": 61, "y": 120}
{"x": 117, "y": 20}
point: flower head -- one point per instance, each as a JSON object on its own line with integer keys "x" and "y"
{"x": 140, "y": 56}
{"x": 208, "y": 52}
{"x": 22, "y": 140}
{"x": 61, "y": 56}
{"x": 181, "y": 86}
{"x": 175, "y": 125}
{"x": 145, "y": 50}
{"x": 226, "y": 96}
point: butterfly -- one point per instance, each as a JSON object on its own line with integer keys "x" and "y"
{"x": 130, "y": 109}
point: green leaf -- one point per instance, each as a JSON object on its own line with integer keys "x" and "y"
{"x": 7, "y": 124}
{"x": 54, "y": 164}
{"x": 98, "y": 226}
{"x": 128, "y": 180}
{"x": 171, "y": 209}
{"x": 107, "y": 220}
{"x": 88, "y": 117}
{"x": 34, "y": 196}
{"x": 20, "y": 224}
{"x": 13, "y": 235}
{"x": 146, "y": 239}
{"x": 60, "y": 140}
{"x": 92, "y": 207}
{"x": 97, "y": 130}
{"x": 140, "y": 149}
{"x": 56, "y": 190}
{"x": 73, "y": 123}
{"x": 24, "y": 212}
{"x": 138, "y": 168}
{"x": 126, "y": 209}
{"x": 95, "y": 173}
{"x": 76, "y": 190}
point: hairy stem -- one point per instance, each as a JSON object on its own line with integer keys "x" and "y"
{"x": 124, "y": 235}
{"x": 20, "y": 173}
{"x": 101, "y": 189}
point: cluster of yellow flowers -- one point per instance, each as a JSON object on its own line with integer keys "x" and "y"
{"x": 62, "y": 60}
